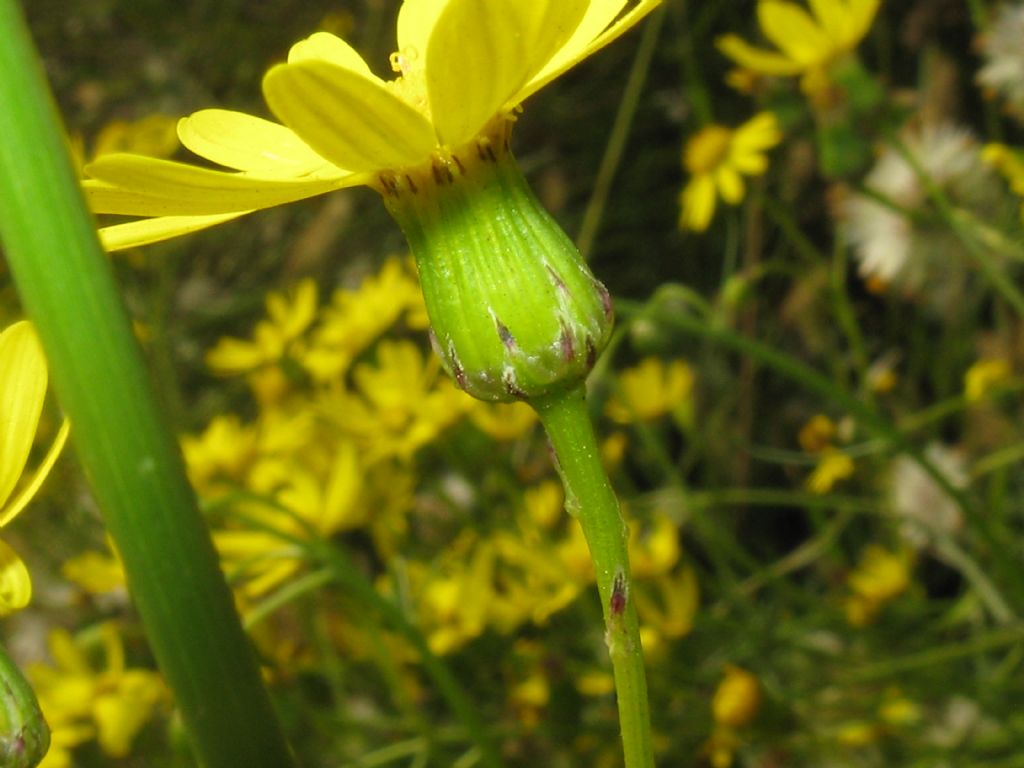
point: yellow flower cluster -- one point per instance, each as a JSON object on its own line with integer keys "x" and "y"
{"x": 81, "y": 700}
{"x": 879, "y": 578}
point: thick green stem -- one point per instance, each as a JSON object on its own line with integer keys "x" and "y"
{"x": 127, "y": 451}
{"x": 591, "y": 500}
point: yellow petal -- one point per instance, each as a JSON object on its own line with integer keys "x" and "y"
{"x": 588, "y": 39}
{"x": 248, "y": 143}
{"x": 793, "y": 31}
{"x": 134, "y": 185}
{"x": 343, "y": 486}
{"x": 27, "y": 491}
{"x": 23, "y": 379}
{"x": 353, "y": 121}
{"x": 698, "y": 202}
{"x": 859, "y": 18}
{"x": 15, "y": 584}
{"x": 416, "y": 20}
{"x": 134, "y": 234}
{"x": 832, "y": 17}
{"x": 481, "y": 54}
{"x": 757, "y": 59}
{"x": 323, "y": 46}
{"x": 730, "y": 184}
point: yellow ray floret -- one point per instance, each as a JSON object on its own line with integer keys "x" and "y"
{"x": 23, "y": 379}
{"x": 460, "y": 64}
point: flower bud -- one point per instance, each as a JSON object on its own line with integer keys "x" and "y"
{"x": 24, "y": 735}
{"x": 515, "y": 312}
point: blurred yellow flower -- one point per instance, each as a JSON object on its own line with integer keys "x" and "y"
{"x": 985, "y": 376}
{"x": 653, "y": 546}
{"x": 503, "y": 421}
{"x": 833, "y": 466}
{"x": 808, "y": 43}
{"x": 651, "y": 389}
{"x": 23, "y": 381}
{"x": 400, "y": 402}
{"x": 672, "y": 609}
{"x": 354, "y": 319}
{"x": 737, "y": 699}
{"x": 461, "y": 66}
{"x": 80, "y": 702}
{"x": 323, "y": 501}
{"x": 716, "y": 159}
{"x": 289, "y": 314}
{"x": 817, "y": 434}
{"x": 595, "y": 683}
{"x": 880, "y": 577}
{"x": 154, "y": 135}
{"x": 96, "y": 573}
{"x": 544, "y": 503}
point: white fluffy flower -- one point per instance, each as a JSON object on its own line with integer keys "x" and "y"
{"x": 897, "y": 237}
{"x": 1004, "y": 57}
{"x": 920, "y": 503}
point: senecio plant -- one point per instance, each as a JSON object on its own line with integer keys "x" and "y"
{"x": 515, "y": 312}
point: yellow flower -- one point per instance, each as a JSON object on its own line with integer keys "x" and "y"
{"x": 503, "y": 421}
{"x": 460, "y": 65}
{"x": 650, "y": 390}
{"x": 81, "y": 703}
{"x": 355, "y": 318}
{"x": 672, "y": 612}
{"x": 808, "y": 44}
{"x": 817, "y": 434}
{"x": 984, "y": 376}
{"x": 717, "y": 158}
{"x": 833, "y": 466}
{"x": 653, "y": 548}
{"x": 23, "y": 380}
{"x": 96, "y": 573}
{"x": 737, "y": 698}
{"x": 324, "y": 502}
{"x": 288, "y": 316}
{"x": 879, "y": 578}
{"x": 544, "y": 503}
{"x": 401, "y": 403}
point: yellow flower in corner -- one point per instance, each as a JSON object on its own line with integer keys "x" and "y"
{"x": 23, "y": 379}
{"x": 460, "y": 65}
{"x": 808, "y": 43}
{"x": 717, "y": 158}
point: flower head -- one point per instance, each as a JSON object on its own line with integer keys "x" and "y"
{"x": 460, "y": 64}
{"x": 23, "y": 379}
{"x": 717, "y": 158}
{"x": 1004, "y": 58}
{"x": 891, "y": 232}
{"x": 808, "y": 43}
{"x": 925, "y": 509}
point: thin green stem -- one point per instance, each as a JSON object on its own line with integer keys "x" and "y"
{"x": 868, "y": 417}
{"x": 128, "y": 453}
{"x": 620, "y": 132}
{"x": 591, "y": 500}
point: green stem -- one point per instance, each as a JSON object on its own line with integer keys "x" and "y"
{"x": 128, "y": 453}
{"x": 616, "y": 146}
{"x": 590, "y": 499}
{"x": 867, "y": 416}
